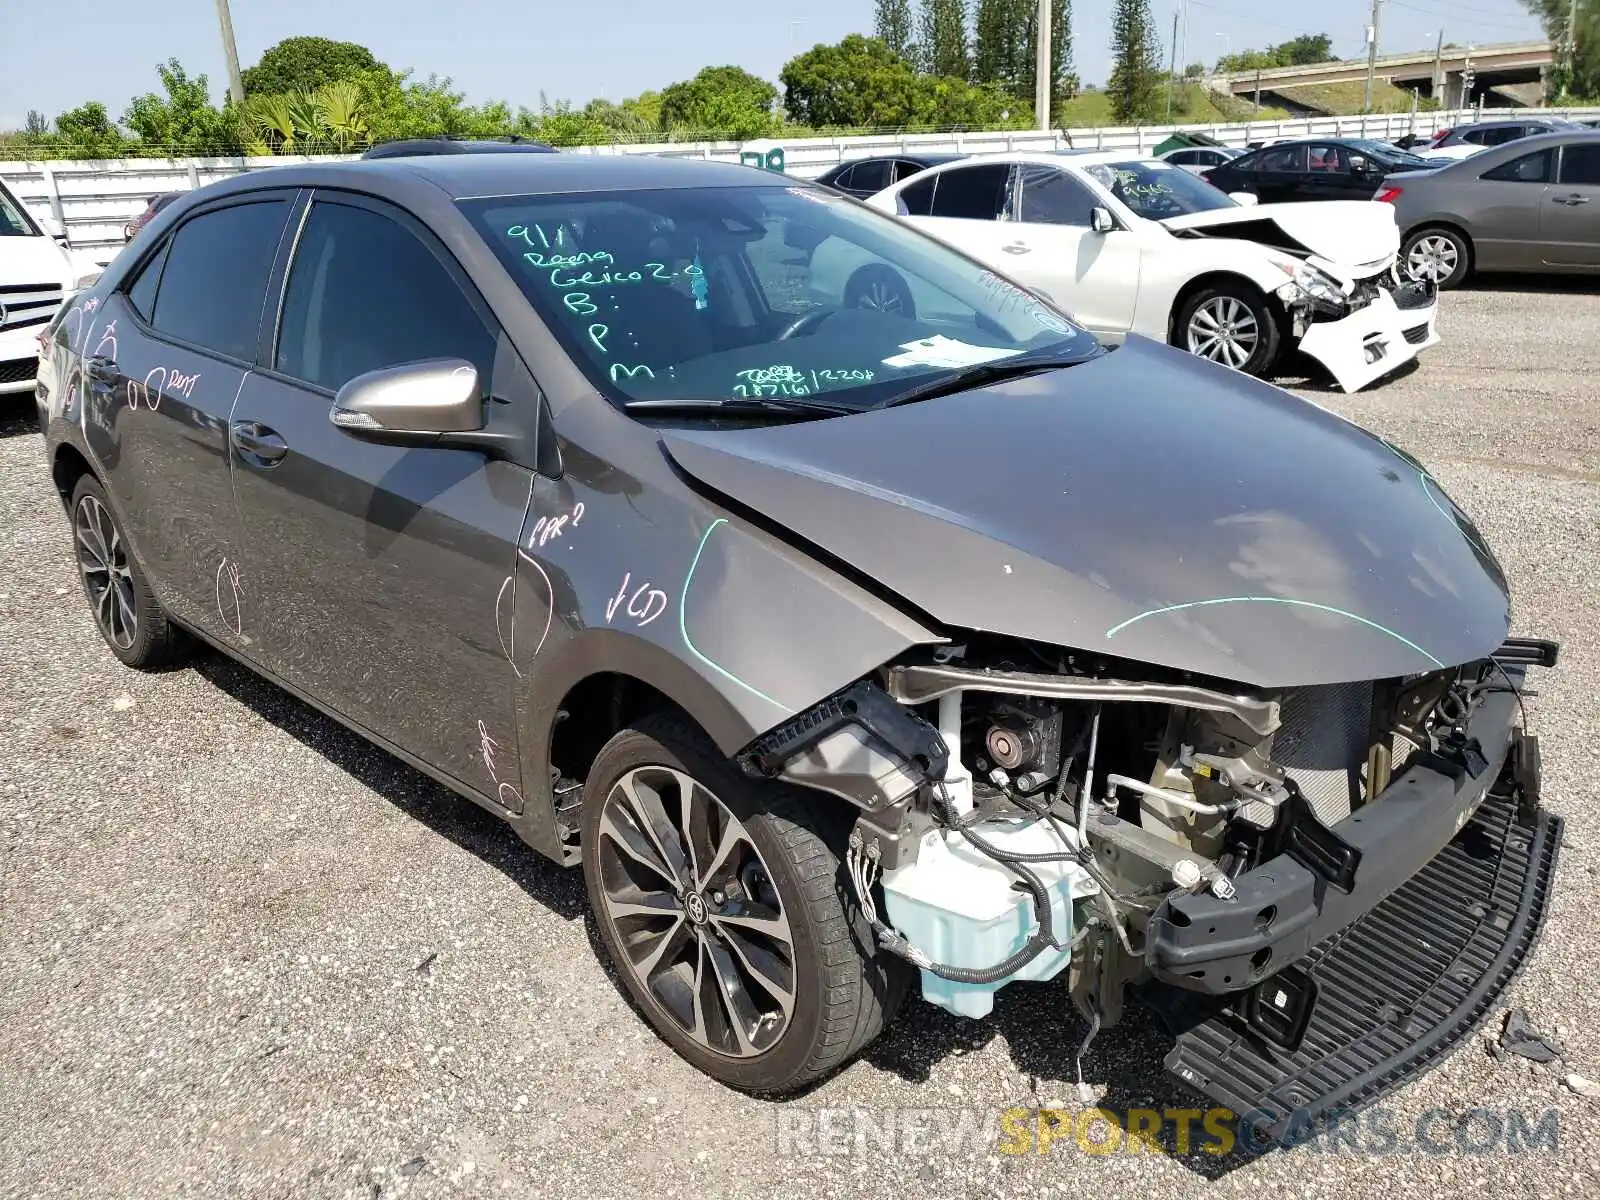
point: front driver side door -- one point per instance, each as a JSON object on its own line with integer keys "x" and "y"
{"x": 1093, "y": 276}
{"x": 1569, "y": 225}
{"x": 373, "y": 576}
{"x": 1280, "y": 174}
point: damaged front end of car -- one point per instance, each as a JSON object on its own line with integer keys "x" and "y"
{"x": 1319, "y": 889}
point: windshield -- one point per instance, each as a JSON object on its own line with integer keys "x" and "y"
{"x": 13, "y": 221}
{"x": 755, "y": 292}
{"x": 1158, "y": 190}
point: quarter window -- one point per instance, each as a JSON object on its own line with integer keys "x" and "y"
{"x": 365, "y": 293}
{"x": 215, "y": 277}
{"x": 142, "y": 295}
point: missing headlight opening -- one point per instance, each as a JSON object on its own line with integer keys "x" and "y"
{"x": 1025, "y": 824}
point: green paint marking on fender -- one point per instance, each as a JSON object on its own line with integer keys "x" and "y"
{"x": 683, "y": 627}
{"x": 1338, "y": 612}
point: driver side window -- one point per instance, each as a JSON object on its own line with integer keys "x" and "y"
{"x": 1050, "y": 196}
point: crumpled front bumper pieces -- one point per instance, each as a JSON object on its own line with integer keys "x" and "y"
{"x": 1349, "y": 994}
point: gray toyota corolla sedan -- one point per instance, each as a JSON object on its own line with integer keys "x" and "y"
{"x": 849, "y": 650}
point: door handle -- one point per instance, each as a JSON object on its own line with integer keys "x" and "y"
{"x": 1572, "y": 200}
{"x": 255, "y": 441}
{"x": 1016, "y": 248}
{"x": 100, "y": 368}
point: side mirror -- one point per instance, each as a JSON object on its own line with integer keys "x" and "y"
{"x": 436, "y": 402}
{"x": 1101, "y": 220}
{"x": 1244, "y": 199}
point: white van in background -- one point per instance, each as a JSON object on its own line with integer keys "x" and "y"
{"x": 37, "y": 272}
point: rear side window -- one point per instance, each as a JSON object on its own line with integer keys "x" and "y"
{"x": 904, "y": 169}
{"x": 1530, "y": 168}
{"x": 1285, "y": 158}
{"x": 1580, "y": 165}
{"x": 842, "y": 179}
{"x": 870, "y": 176}
{"x": 365, "y": 293}
{"x": 215, "y": 277}
{"x": 917, "y": 200}
{"x": 974, "y": 193}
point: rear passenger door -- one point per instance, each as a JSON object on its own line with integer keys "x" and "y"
{"x": 378, "y": 576}
{"x": 1280, "y": 175}
{"x": 164, "y": 359}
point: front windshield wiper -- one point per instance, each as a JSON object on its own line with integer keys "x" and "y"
{"x": 977, "y": 376}
{"x": 743, "y": 405}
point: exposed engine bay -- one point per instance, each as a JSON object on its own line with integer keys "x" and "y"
{"x": 1027, "y": 813}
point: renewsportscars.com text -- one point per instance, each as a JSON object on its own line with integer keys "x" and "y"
{"x": 1180, "y": 1131}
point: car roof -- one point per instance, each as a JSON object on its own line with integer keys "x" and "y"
{"x": 463, "y": 176}
{"x": 406, "y": 147}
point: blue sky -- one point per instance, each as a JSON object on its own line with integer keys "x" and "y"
{"x": 69, "y": 51}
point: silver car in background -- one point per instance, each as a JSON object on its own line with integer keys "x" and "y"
{"x": 1529, "y": 205}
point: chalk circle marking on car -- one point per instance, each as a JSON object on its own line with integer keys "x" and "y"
{"x": 683, "y": 622}
{"x": 505, "y": 624}
{"x": 1284, "y": 600}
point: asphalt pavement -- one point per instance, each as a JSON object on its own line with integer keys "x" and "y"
{"x": 244, "y": 954}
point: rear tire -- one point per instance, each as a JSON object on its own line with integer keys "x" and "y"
{"x": 126, "y": 611}
{"x": 1232, "y": 324}
{"x": 1438, "y": 254}
{"x": 747, "y": 953}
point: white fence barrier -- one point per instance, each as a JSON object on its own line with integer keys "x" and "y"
{"x": 93, "y": 200}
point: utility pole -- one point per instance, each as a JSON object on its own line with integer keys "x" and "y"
{"x": 1438, "y": 68}
{"x": 1372, "y": 50}
{"x": 231, "y": 51}
{"x": 1572, "y": 43}
{"x": 1044, "y": 68}
{"x": 1172, "y": 72}
{"x": 1258, "y": 91}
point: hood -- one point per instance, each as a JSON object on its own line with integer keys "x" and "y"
{"x": 1144, "y": 505}
{"x": 1356, "y": 235}
{"x": 26, "y": 260}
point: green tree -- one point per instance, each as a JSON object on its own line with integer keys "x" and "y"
{"x": 1002, "y": 41}
{"x": 857, "y": 83}
{"x": 891, "y": 25}
{"x": 725, "y": 100}
{"x": 398, "y": 107}
{"x": 1302, "y": 51}
{"x": 1064, "y": 80}
{"x": 1580, "y": 80}
{"x": 304, "y": 64}
{"x": 1135, "y": 75}
{"x": 943, "y": 38}
{"x": 83, "y": 132}
{"x": 183, "y": 121}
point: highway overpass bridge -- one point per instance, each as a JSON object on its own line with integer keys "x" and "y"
{"x": 1502, "y": 66}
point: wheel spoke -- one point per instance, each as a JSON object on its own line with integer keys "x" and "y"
{"x": 90, "y": 549}
{"x": 1205, "y": 319}
{"x": 652, "y": 820}
{"x": 635, "y": 845}
{"x": 771, "y": 972}
{"x": 774, "y": 925}
{"x": 732, "y": 834}
{"x": 666, "y": 943}
{"x": 124, "y": 612}
{"x": 648, "y": 904}
{"x": 739, "y": 1010}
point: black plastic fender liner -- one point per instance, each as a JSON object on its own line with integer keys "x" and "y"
{"x": 1393, "y": 993}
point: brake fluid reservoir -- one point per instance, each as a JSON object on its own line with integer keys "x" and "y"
{"x": 961, "y": 908}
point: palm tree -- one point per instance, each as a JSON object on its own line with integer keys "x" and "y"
{"x": 271, "y": 120}
{"x": 305, "y": 112}
{"x": 341, "y": 111}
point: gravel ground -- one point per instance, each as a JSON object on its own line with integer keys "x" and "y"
{"x": 244, "y": 954}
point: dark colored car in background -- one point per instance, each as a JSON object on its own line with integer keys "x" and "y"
{"x": 1528, "y": 205}
{"x": 156, "y": 204}
{"x": 558, "y": 478}
{"x": 1497, "y": 133}
{"x": 1313, "y": 169}
{"x": 865, "y": 177}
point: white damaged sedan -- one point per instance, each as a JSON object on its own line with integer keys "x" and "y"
{"x": 1139, "y": 246}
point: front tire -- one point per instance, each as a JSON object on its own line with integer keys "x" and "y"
{"x": 126, "y": 611}
{"x": 1438, "y": 255}
{"x": 1231, "y": 324}
{"x": 722, "y": 903}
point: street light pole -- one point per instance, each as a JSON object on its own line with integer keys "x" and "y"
{"x": 230, "y": 51}
{"x": 1372, "y": 51}
{"x": 1044, "y": 67}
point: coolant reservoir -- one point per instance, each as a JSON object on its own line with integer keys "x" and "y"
{"x": 961, "y": 908}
